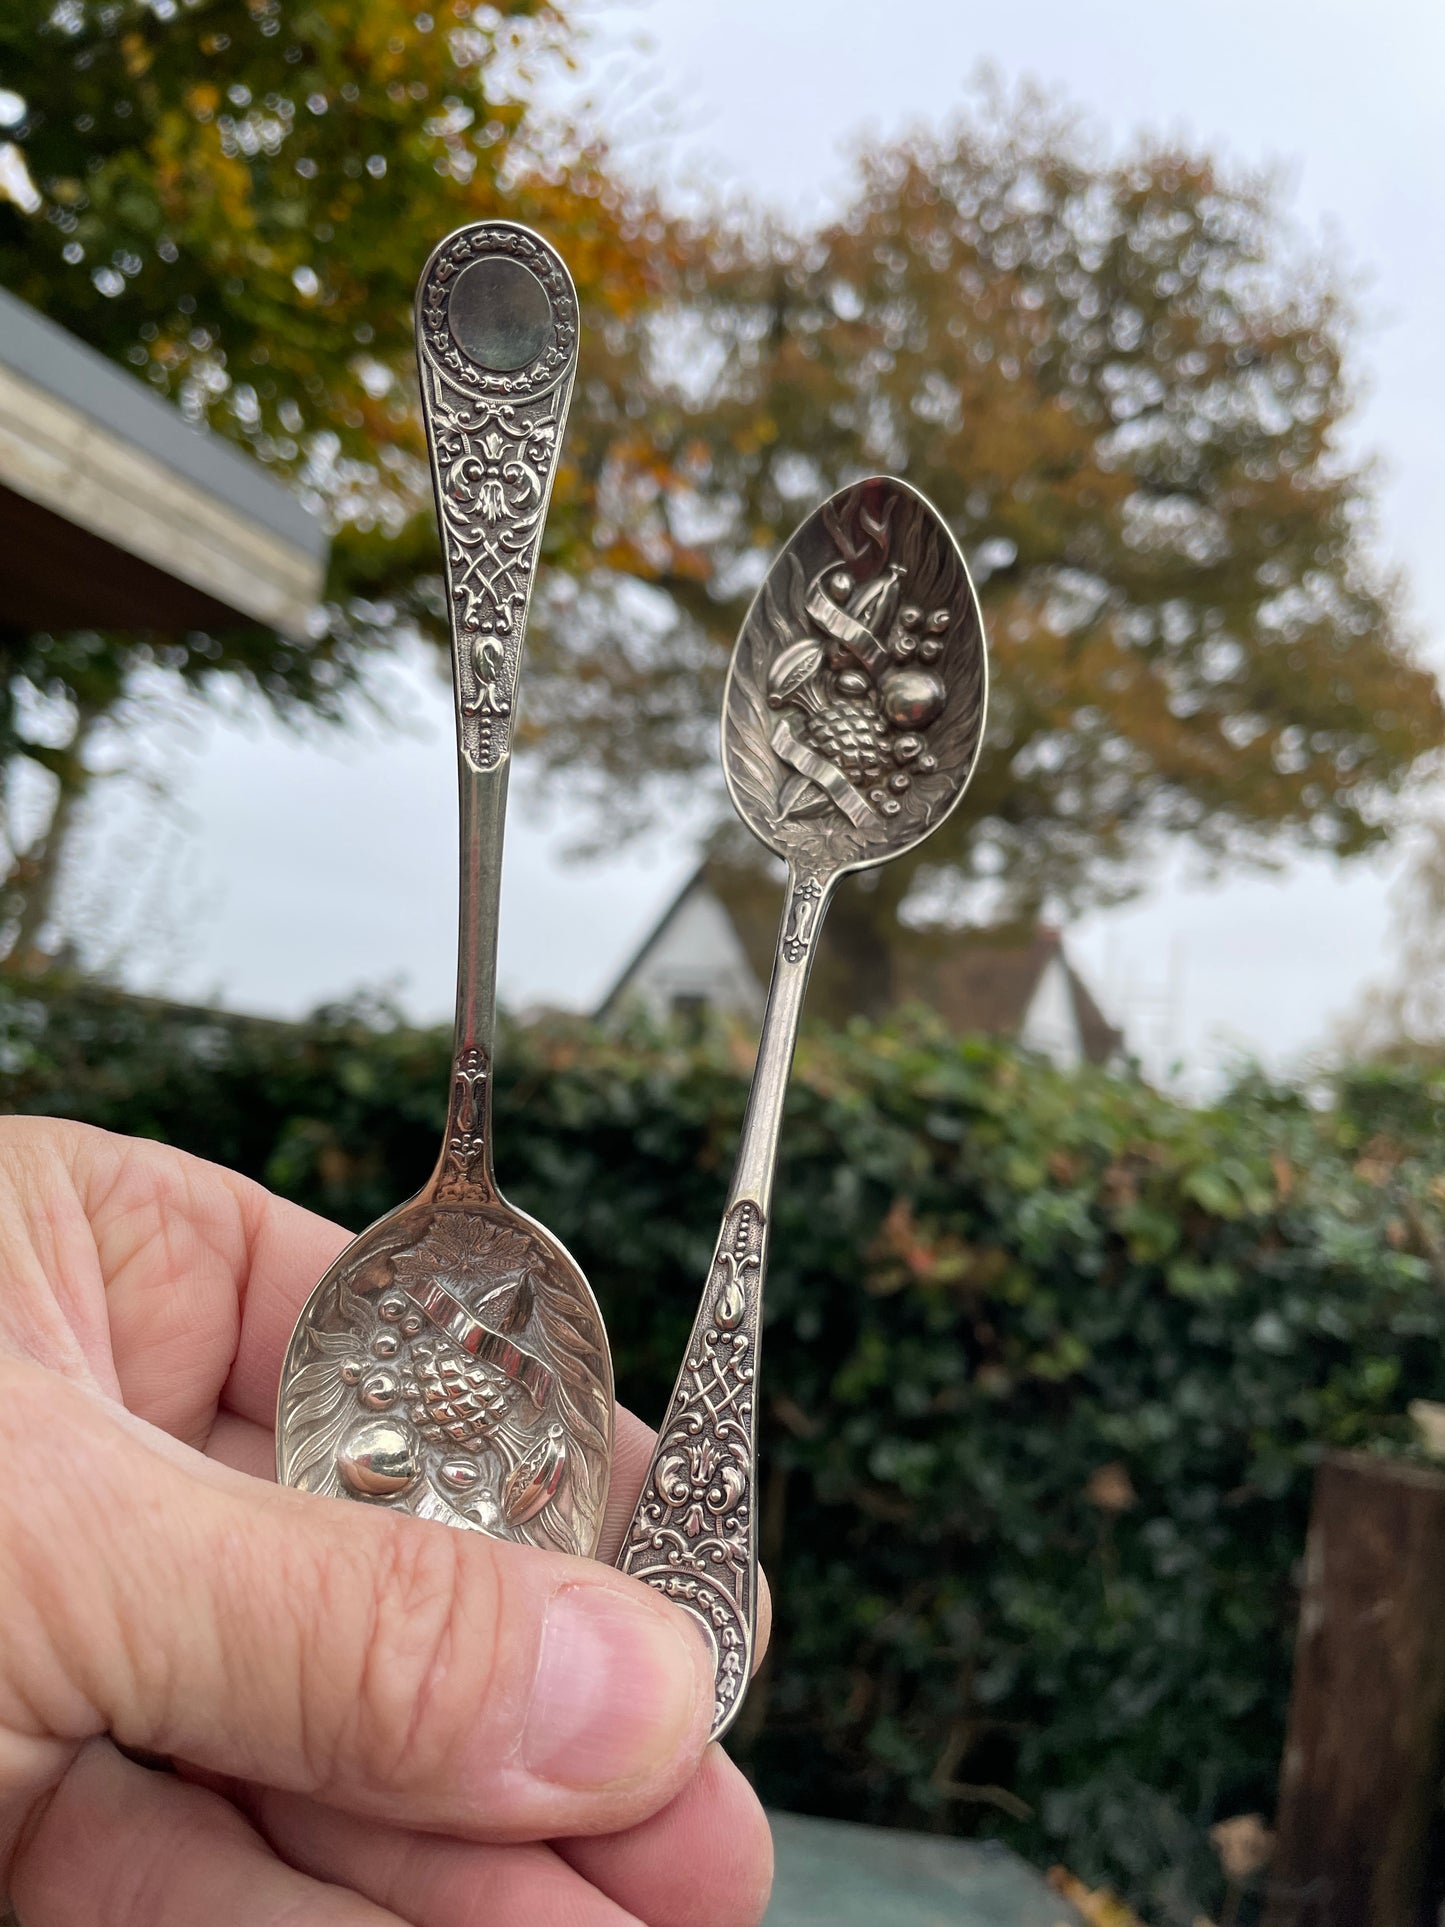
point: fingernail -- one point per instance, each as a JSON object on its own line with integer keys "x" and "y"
{"x": 617, "y": 1690}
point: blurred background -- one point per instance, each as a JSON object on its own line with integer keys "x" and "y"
{"x": 1148, "y": 305}
{"x": 1221, "y": 830}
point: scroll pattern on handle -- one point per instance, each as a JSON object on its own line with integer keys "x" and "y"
{"x": 494, "y": 441}
{"x": 463, "y": 1176}
{"x": 694, "y": 1533}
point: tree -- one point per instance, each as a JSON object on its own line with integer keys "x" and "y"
{"x": 1121, "y": 379}
{"x": 1402, "y": 1017}
{"x": 235, "y": 198}
{"x": 1124, "y": 384}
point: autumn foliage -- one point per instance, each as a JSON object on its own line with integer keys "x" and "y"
{"x": 1125, "y": 386}
{"x": 1119, "y": 377}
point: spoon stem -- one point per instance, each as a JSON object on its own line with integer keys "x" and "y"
{"x": 694, "y": 1533}
{"x": 804, "y": 903}
{"x": 466, "y": 1156}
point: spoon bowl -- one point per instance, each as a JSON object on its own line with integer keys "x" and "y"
{"x": 855, "y": 700}
{"x": 441, "y": 1365}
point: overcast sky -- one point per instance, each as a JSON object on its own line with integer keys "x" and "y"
{"x": 310, "y": 869}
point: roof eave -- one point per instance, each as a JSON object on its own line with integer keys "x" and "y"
{"x": 83, "y": 442}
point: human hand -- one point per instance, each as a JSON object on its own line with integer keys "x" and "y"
{"x": 378, "y": 1720}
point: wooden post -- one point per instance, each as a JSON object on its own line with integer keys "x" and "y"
{"x": 1363, "y": 1750}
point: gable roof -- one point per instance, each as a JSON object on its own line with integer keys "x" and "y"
{"x": 1102, "y": 1041}
{"x": 977, "y": 980}
{"x": 985, "y": 980}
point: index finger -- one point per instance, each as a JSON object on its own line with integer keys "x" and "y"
{"x": 289, "y": 1250}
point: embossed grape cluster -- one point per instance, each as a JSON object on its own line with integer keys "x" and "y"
{"x": 869, "y": 719}
{"x": 457, "y": 1401}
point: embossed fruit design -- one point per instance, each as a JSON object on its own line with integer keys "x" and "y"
{"x": 863, "y": 676}
{"x": 793, "y": 676}
{"x": 871, "y": 606}
{"x": 911, "y": 698}
{"x": 850, "y": 732}
{"x": 378, "y": 1460}
{"x": 534, "y": 1481}
{"x": 457, "y": 1401}
{"x": 433, "y": 1381}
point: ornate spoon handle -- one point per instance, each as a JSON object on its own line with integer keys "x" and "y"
{"x": 694, "y": 1533}
{"x": 496, "y": 335}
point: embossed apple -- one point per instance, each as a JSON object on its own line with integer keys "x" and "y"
{"x": 378, "y": 1459}
{"x": 911, "y": 698}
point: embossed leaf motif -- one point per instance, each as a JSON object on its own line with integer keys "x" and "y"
{"x": 730, "y": 1487}
{"x": 494, "y": 462}
{"x": 491, "y": 495}
{"x": 673, "y": 1480}
{"x": 693, "y": 1522}
{"x": 508, "y": 1308}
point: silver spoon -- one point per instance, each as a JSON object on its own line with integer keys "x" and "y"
{"x": 852, "y": 721}
{"x": 452, "y": 1363}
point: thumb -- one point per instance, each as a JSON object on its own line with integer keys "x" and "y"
{"x": 383, "y": 1664}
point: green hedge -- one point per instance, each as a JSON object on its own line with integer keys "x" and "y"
{"x": 1048, "y": 1360}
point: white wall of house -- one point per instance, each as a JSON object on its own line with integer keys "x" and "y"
{"x": 1051, "y": 1025}
{"x": 697, "y": 955}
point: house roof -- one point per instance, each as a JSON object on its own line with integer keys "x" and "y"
{"x": 1101, "y": 1039}
{"x": 984, "y": 980}
{"x": 980, "y": 981}
{"x": 115, "y": 511}
{"x": 977, "y": 980}
{"x": 987, "y": 979}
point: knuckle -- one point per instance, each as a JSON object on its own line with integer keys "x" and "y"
{"x": 19, "y": 1134}
{"x": 54, "y": 1613}
{"x": 750, "y": 1871}
{"x": 423, "y": 1664}
{"x": 733, "y": 1863}
{"x": 32, "y": 1148}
